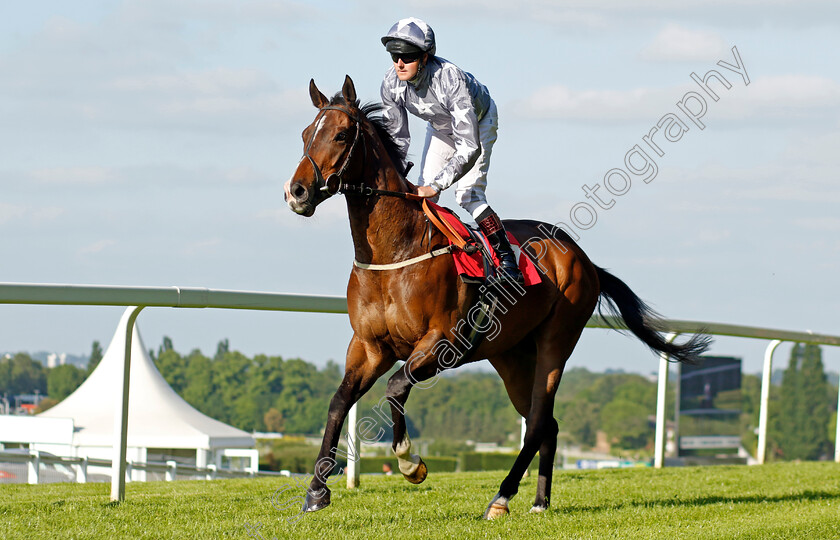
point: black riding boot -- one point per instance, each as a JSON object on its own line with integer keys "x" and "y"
{"x": 492, "y": 226}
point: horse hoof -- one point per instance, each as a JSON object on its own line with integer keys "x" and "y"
{"x": 538, "y": 509}
{"x": 498, "y": 507}
{"x": 418, "y": 475}
{"x": 313, "y": 504}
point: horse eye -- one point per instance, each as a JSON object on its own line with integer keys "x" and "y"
{"x": 342, "y": 136}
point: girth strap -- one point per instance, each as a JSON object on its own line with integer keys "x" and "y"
{"x": 408, "y": 262}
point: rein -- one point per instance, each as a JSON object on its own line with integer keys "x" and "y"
{"x": 335, "y": 184}
{"x": 368, "y": 191}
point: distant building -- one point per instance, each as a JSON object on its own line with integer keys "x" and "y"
{"x": 56, "y": 359}
{"x": 27, "y": 403}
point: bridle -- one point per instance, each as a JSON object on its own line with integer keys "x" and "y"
{"x": 335, "y": 182}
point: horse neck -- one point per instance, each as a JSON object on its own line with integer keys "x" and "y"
{"x": 385, "y": 229}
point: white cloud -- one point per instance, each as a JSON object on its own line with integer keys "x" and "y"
{"x": 97, "y": 247}
{"x": 784, "y": 97}
{"x": 89, "y": 176}
{"x": 677, "y": 43}
{"x": 217, "y": 81}
{"x": 576, "y": 14}
{"x": 791, "y": 97}
{"x": 822, "y": 224}
{"x": 136, "y": 68}
{"x": 268, "y": 12}
{"x": 328, "y": 215}
{"x": 10, "y": 212}
{"x": 209, "y": 246}
{"x": 28, "y": 215}
{"x": 563, "y": 102}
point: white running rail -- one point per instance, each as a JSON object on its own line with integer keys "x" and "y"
{"x": 137, "y": 298}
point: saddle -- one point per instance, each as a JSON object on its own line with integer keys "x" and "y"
{"x": 475, "y": 259}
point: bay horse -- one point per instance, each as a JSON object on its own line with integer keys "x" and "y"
{"x": 414, "y": 308}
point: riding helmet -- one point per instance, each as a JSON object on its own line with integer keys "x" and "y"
{"x": 409, "y": 36}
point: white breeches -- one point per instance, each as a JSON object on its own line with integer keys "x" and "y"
{"x": 439, "y": 149}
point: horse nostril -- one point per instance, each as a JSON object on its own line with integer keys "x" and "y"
{"x": 299, "y": 192}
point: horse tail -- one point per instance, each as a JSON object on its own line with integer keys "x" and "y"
{"x": 644, "y": 322}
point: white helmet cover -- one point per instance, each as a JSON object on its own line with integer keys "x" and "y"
{"x": 414, "y": 31}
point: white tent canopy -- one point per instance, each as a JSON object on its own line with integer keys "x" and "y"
{"x": 157, "y": 416}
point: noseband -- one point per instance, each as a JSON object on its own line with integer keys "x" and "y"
{"x": 334, "y": 182}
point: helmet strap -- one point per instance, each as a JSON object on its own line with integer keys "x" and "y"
{"x": 421, "y": 66}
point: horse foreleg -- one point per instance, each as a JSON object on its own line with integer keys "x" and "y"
{"x": 361, "y": 372}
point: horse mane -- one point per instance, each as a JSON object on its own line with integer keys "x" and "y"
{"x": 373, "y": 113}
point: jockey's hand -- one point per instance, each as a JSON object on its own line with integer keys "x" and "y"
{"x": 427, "y": 191}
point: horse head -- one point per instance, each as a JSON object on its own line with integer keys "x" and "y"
{"x": 331, "y": 153}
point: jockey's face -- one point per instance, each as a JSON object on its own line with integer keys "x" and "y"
{"x": 407, "y": 68}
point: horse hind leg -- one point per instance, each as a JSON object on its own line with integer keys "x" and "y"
{"x": 517, "y": 372}
{"x": 548, "y": 451}
{"x": 516, "y": 369}
{"x": 554, "y": 348}
{"x": 536, "y": 426}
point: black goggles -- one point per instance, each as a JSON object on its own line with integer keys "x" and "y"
{"x": 407, "y": 58}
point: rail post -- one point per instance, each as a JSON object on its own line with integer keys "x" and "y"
{"x": 81, "y": 471}
{"x": 837, "y": 433}
{"x": 33, "y": 465}
{"x": 765, "y": 400}
{"x": 353, "y": 456}
{"x": 661, "y": 394}
{"x": 118, "y": 466}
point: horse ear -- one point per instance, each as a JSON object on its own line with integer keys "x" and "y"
{"x": 349, "y": 90}
{"x": 318, "y": 99}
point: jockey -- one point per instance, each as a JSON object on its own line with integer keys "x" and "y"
{"x": 461, "y": 132}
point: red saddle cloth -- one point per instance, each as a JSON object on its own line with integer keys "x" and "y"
{"x": 471, "y": 265}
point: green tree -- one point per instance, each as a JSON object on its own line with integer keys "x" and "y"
{"x": 751, "y": 409}
{"x": 230, "y": 377}
{"x": 165, "y": 345}
{"x": 303, "y": 402}
{"x": 273, "y": 421}
{"x": 626, "y": 423}
{"x": 816, "y": 404}
{"x": 787, "y": 420}
{"x": 63, "y": 381}
{"x": 804, "y": 408}
{"x": 45, "y": 405}
{"x": 582, "y": 420}
{"x": 173, "y": 368}
{"x": 199, "y": 389}
{"x": 21, "y": 374}
{"x": 222, "y": 349}
{"x": 95, "y": 357}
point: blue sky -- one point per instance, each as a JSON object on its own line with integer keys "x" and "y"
{"x": 147, "y": 142}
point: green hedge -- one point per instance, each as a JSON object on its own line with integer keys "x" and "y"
{"x": 434, "y": 464}
{"x": 298, "y": 456}
{"x": 479, "y": 461}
